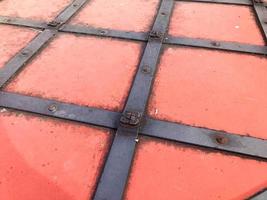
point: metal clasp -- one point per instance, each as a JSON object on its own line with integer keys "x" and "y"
{"x": 131, "y": 119}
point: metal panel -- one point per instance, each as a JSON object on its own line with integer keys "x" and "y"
{"x": 212, "y": 89}
{"x": 31, "y": 9}
{"x": 167, "y": 170}
{"x": 44, "y": 158}
{"x": 83, "y": 64}
{"x": 215, "y": 22}
{"x": 21, "y": 58}
{"x": 118, "y": 14}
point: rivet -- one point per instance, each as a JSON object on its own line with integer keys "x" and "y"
{"x": 103, "y": 32}
{"x": 52, "y": 108}
{"x": 163, "y": 13}
{"x": 8, "y": 20}
{"x": 136, "y": 140}
{"x": 216, "y": 44}
{"x": 222, "y": 140}
{"x": 146, "y": 69}
{"x": 25, "y": 52}
{"x": 75, "y": 5}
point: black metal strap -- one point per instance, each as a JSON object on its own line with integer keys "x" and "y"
{"x": 221, "y": 141}
{"x": 115, "y": 174}
{"x": 262, "y": 195}
{"x": 60, "y": 110}
{"x": 17, "y": 21}
{"x": 142, "y": 36}
{"x": 218, "y": 45}
{"x": 22, "y": 57}
{"x": 128, "y": 35}
{"x": 260, "y": 9}
{"x": 233, "y": 2}
{"x": 218, "y": 140}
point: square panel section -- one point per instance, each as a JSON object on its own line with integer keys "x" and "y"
{"x": 83, "y": 70}
{"x": 216, "y": 22}
{"x": 12, "y": 40}
{"x": 212, "y": 89}
{"x": 165, "y": 170}
{"x": 126, "y": 15}
{"x": 32, "y": 9}
{"x": 43, "y": 158}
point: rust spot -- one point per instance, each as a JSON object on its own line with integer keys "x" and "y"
{"x": 222, "y": 140}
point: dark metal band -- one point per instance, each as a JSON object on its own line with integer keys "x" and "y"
{"x": 17, "y": 21}
{"x": 141, "y": 36}
{"x": 221, "y": 141}
{"x": 218, "y": 140}
{"x": 260, "y": 9}
{"x": 116, "y": 170}
{"x": 60, "y": 110}
{"x": 217, "y": 45}
{"x": 25, "y": 55}
{"x": 128, "y": 35}
{"x": 233, "y": 2}
{"x": 262, "y": 195}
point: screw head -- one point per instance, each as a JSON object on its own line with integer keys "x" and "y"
{"x": 52, "y": 108}
{"x": 25, "y": 52}
{"x": 146, "y": 69}
{"x": 216, "y": 44}
{"x": 103, "y": 32}
{"x": 222, "y": 140}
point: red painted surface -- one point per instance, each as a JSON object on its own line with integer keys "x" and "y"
{"x": 44, "y": 158}
{"x": 12, "y": 39}
{"x": 216, "y": 22}
{"x": 131, "y": 15}
{"x": 32, "y": 9}
{"x": 83, "y": 70}
{"x": 165, "y": 170}
{"x": 213, "y": 89}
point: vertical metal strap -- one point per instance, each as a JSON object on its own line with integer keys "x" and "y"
{"x": 261, "y": 12}
{"x": 116, "y": 170}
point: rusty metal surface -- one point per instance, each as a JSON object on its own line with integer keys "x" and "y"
{"x": 191, "y": 173}
{"x": 44, "y": 158}
{"x": 52, "y": 80}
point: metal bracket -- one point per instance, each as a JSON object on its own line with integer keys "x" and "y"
{"x": 54, "y": 24}
{"x": 131, "y": 119}
{"x": 156, "y": 35}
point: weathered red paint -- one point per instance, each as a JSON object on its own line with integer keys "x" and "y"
{"x": 12, "y": 39}
{"x": 215, "y": 22}
{"x": 166, "y": 170}
{"x": 83, "y": 70}
{"x": 43, "y": 158}
{"x": 212, "y": 89}
{"x": 32, "y": 9}
{"x": 130, "y": 15}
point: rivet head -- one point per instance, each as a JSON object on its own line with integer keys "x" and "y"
{"x": 222, "y": 140}
{"x": 216, "y": 44}
{"x": 25, "y": 52}
{"x": 52, "y": 108}
{"x": 7, "y": 20}
{"x": 146, "y": 69}
{"x": 102, "y": 32}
